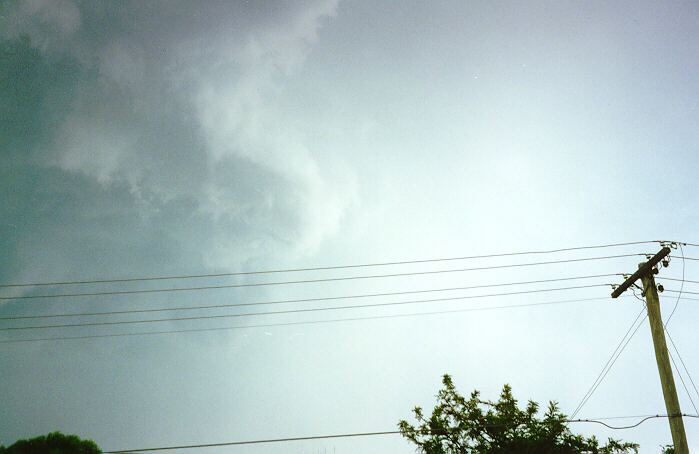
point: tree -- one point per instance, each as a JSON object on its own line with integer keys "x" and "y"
{"x": 476, "y": 426}
{"x": 53, "y": 443}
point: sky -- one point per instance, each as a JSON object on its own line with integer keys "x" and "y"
{"x": 171, "y": 138}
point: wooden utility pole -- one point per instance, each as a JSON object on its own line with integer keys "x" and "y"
{"x": 672, "y": 405}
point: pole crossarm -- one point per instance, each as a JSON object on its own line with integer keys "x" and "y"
{"x": 642, "y": 271}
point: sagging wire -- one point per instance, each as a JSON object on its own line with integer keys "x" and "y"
{"x": 677, "y": 302}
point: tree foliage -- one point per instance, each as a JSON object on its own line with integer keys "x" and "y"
{"x": 53, "y": 443}
{"x": 476, "y": 426}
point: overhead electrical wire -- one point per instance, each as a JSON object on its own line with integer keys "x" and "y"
{"x": 325, "y": 268}
{"x": 613, "y": 359}
{"x": 331, "y": 321}
{"x": 296, "y": 311}
{"x": 689, "y": 298}
{"x": 677, "y": 280}
{"x": 270, "y": 440}
{"x": 620, "y": 417}
{"x": 678, "y": 291}
{"x": 633, "y": 425}
{"x": 684, "y": 366}
{"x": 610, "y": 362}
{"x": 361, "y": 434}
{"x": 684, "y": 385}
{"x": 645, "y": 316}
{"x": 685, "y": 258}
{"x": 309, "y": 281}
{"x": 608, "y": 367}
{"x": 679, "y": 294}
{"x": 307, "y": 322}
{"x": 303, "y": 300}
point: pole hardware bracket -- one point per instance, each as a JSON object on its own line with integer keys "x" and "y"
{"x": 642, "y": 269}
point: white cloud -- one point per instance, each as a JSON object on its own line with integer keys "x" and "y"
{"x": 91, "y": 146}
{"x": 185, "y": 106}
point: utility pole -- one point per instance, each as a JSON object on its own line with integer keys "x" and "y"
{"x": 645, "y": 272}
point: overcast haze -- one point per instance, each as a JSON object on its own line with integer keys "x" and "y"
{"x": 170, "y": 138}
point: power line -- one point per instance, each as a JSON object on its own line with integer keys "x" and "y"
{"x": 610, "y": 362}
{"x": 309, "y": 281}
{"x": 302, "y": 300}
{"x": 678, "y": 298}
{"x": 309, "y": 322}
{"x": 295, "y": 311}
{"x": 608, "y": 366}
{"x": 364, "y": 434}
{"x": 677, "y": 280}
{"x": 684, "y": 385}
{"x": 272, "y": 440}
{"x": 685, "y": 291}
{"x": 684, "y": 366}
{"x": 620, "y": 352}
{"x": 324, "y": 268}
{"x": 685, "y": 258}
{"x": 617, "y": 417}
{"x": 688, "y": 298}
{"x": 633, "y": 425}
